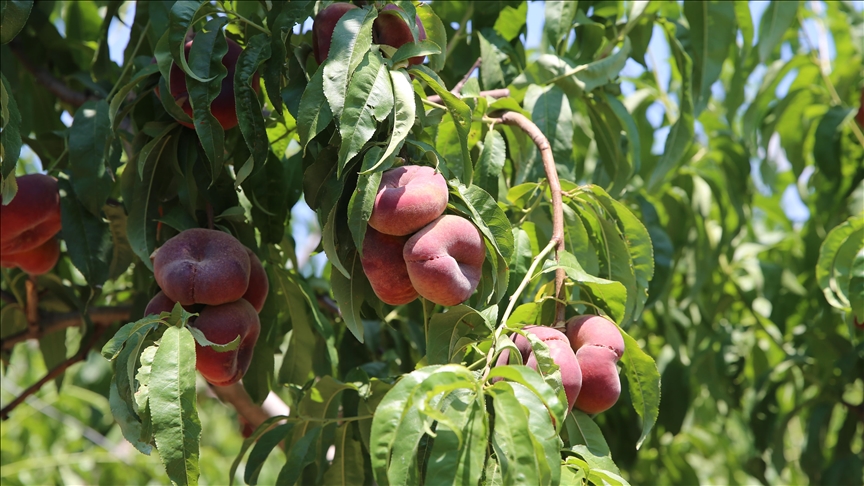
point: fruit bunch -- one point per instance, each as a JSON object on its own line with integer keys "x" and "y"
{"x": 213, "y": 274}
{"x": 412, "y": 248}
{"x": 389, "y": 29}
{"x": 586, "y": 356}
{"x": 223, "y": 107}
{"x": 28, "y": 225}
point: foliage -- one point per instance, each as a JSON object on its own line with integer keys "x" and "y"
{"x": 677, "y": 227}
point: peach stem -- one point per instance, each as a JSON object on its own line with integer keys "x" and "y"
{"x": 32, "y": 305}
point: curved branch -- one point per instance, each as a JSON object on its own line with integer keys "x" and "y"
{"x": 237, "y": 397}
{"x": 492, "y": 93}
{"x": 53, "y": 373}
{"x": 44, "y": 77}
{"x": 49, "y": 322}
{"x": 519, "y": 120}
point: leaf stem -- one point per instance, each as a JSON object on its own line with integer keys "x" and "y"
{"x": 129, "y": 62}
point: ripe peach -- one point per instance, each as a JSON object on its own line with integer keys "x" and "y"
{"x": 385, "y": 267}
{"x": 223, "y": 107}
{"x": 323, "y": 26}
{"x": 559, "y": 350}
{"x": 445, "y": 260}
{"x": 409, "y": 198}
{"x": 158, "y": 304}
{"x": 221, "y": 324}
{"x": 32, "y": 217}
{"x": 202, "y": 266}
{"x": 259, "y": 286}
{"x": 38, "y": 261}
{"x": 599, "y": 345}
{"x": 390, "y": 29}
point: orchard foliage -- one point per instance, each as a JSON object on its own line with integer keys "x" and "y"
{"x": 744, "y": 315}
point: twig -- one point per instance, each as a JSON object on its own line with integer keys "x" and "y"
{"x": 456, "y": 89}
{"x": 492, "y": 93}
{"x": 54, "y": 373}
{"x": 518, "y": 120}
{"x": 102, "y": 317}
{"x": 32, "y": 305}
{"x": 461, "y": 31}
{"x": 237, "y": 397}
{"x": 57, "y": 87}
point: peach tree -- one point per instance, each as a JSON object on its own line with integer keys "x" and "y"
{"x": 395, "y": 245}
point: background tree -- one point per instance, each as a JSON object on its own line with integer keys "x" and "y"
{"x": 709, "y": 202}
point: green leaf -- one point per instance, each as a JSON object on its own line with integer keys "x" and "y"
{"x": 221, "y": 348}
{"x": 352, "y": 38}
{"x": 130, "y": 425}
{"x": 558, "y": 23}
{"x": 644, "y": 380}
{"x": 271, "y": 191}
{"x": 490, "y": 165}
{"x": 581, "y": 429}
{"x": 392, "y": 415}
{"x": 776, "y": 19}
{"x": 532, "y": 380}
{"x": 522, "y": 458}
{"x": 404, "y": 112}
{"x": 551, "y": 112}
{"x": 347, "y": 468}
{"x": 542, "y": 428}
{"x": 15, "y": 14}
{"x": 608, "y": 294}
{"x": 574, "y": 80}
{"x": 301, "y": 454}
{"x": 88, "y": 240}
{"x": 369, "y": 99}
{"x": 89, "y": 137}
{"x": 182, "y": 15}
{"x": 459, "y": 456}
{"x": 205, "y": 58}
{"x": 122, "y": 93}
{"x": 832, "y": 272}
{"x": 297, "y": 365}
{"x": 445, "y": 331}
{"x": 156, "y": 143}
{"x": 460, "y": 112}
{"x": 315, "y": 113}
{"x": 435, "y": 33}
{"x": 414, "y": 49}
{"x": 10, "y": 137}
{"x": 249, "y": 117}
{"x": 173, "y": 405}
{"x": 827, "y": 152}
{"x": 682, "y": 132}
{"x": 253, "y": 440}
{"x": 143, "y": 201}
{"x": 349, "y": 293}
{"x": 262, "y": 449}
{"x": 712, "y": 31}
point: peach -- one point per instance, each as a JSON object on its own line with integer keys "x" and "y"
{"x": 409, "y": 198}
{"x": 323, "y": 26}
{"x": 259, "y": 286}
{"x": 221, "y": 324}
{"x": 390, "y": 29}
{"x": 445, "y": 260}
{"x": 559, "y": 350}
{"x": 38, "y": 261}
{"x": 385, "y": 267}
{"x": 32, "y": 217}
{"x": 202, "y": 266}
{"x": 223, "y": 106}
{"x": 599, "y": 345}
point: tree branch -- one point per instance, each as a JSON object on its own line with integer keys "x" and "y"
{"x": 513, "y": 118}
{"x": 237, "y": 397}
{"x": 456, "y": 89}
{"x": 50, "y": 322}
{"x": 44, "y": 77}
{"x": 54, "y": 373}
{"x": 492, "y": 93}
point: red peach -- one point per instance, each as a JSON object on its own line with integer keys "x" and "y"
{"x": 33, "y": 215}
{"x": 201, "y": 266}
{"x": 38, "y": 261}
{"x": 445, "y": 260}
{"x": 385, "y": 267}
{"x": 390, "y": 29}
{"x": 323, "y": 26}
{"x": 409, "y": 198}
{"x": 259, "y": 286}
{"x": 221, "y": 324}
